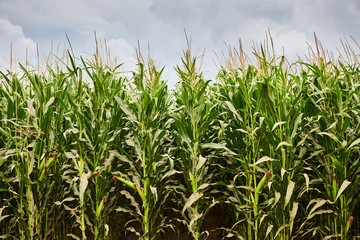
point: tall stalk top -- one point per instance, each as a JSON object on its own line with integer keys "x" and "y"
{"x": 189, "y": 72}
{"x": 147, "y": 72}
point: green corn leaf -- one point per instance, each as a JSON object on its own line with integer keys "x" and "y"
{"x": 307, "y": 181}
{"x": 262, "y": 160}
{"x": 127, "y": 111}
{"x": 127, "y": 183}
{"x": 277, "y": 198}
{"x": 293, "y": 215}
{"x": 200, "y": 163}
{"x": 46, "y": 168}
{"x": 283, "y": 144}
{"x": 233, "y": 110}
{"x": 268, "y": 230}
{"x": 318, "y": 204}
{"x": 213, "y": 145}
{"x": 83, "y": 185}
{"x": 262, "y": 181}
{"x": 354, "y": 143}
{"x": 48, "y": 104}
{"x": 281, "y": 229}
{"x": 289, "y": 192}
{"x": 99, "y": 208}
{"x": 260, "y": 185}
{"x": 296, "y": 125}
{"x": 277, "y": 124}
{"x": 3, "y": 217}
{"x": 343, "y": 186}
{"x": 339, "y": 169}
{"x": 331, "y": 135}
{"x": 192, "y": 199}
{"x": 319, "y": 213}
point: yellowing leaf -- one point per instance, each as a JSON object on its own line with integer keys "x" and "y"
{"x": 283, "y": 144}
{"x": 200, "y": 163}
{"x": 293, "y": 214}
{"x": 317, "y": 205}
{"x": 307, "y": 180}
{"x": 83, "y": 186}
{"x": 289, "y": 192}
{"x": 344, "y": 185}
{"x": 277, "y": 124}
{"x": 356, "y": 142}
{"x": 263, "y": 159}
{"x": 193, "y": 198}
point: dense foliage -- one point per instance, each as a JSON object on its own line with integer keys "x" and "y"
{"x": 87, "y": 152}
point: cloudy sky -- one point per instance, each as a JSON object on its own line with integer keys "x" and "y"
{"x": 210, "y": 23}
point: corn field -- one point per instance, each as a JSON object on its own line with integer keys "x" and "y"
{"x": 269, "y": 148}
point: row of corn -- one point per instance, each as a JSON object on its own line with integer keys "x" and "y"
{"x": 87, "y": 152}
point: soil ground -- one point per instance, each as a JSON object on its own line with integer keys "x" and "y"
{"x": 213, "y": 220}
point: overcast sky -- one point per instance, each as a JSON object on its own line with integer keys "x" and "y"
{"x": 25, "y": 23}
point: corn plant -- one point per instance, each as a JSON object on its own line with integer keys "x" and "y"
{"x": 87, "y": 152}
{"x": 146, "y": 170}
{"x": 33, "y": 152}
{"x": 15, "y": 96}
{"x": 245, "y": 127}
{"x": 194, "y": 121}
{"x": 333, "y": 137}
{"x": 93, "y": 117}
{"x": 262, "y": 126}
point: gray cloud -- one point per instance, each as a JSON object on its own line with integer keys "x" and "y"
{"x": 161, "y": 22}
{"x": 21, "y": 46}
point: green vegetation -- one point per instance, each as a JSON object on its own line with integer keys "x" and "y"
{"x": 87, "y": 152}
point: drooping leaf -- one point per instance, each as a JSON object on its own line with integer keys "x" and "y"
{"x": 83, "y": 185}
{"x": 354, "y": 143}
{"x": 344, "y": 185}
{"x": 277, "y": 124}
{"x": 263, "y": 159}
{"x": 293, "y": 215}
{"x": 289, "y": 192}
{"x": 193, "y": 198}
{"x": 200, "y": 163}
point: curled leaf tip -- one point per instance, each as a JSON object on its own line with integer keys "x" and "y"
{"x": 53, "y": 155}
{"x": 115, "y": 179}
{"x": 268, "y": 174}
